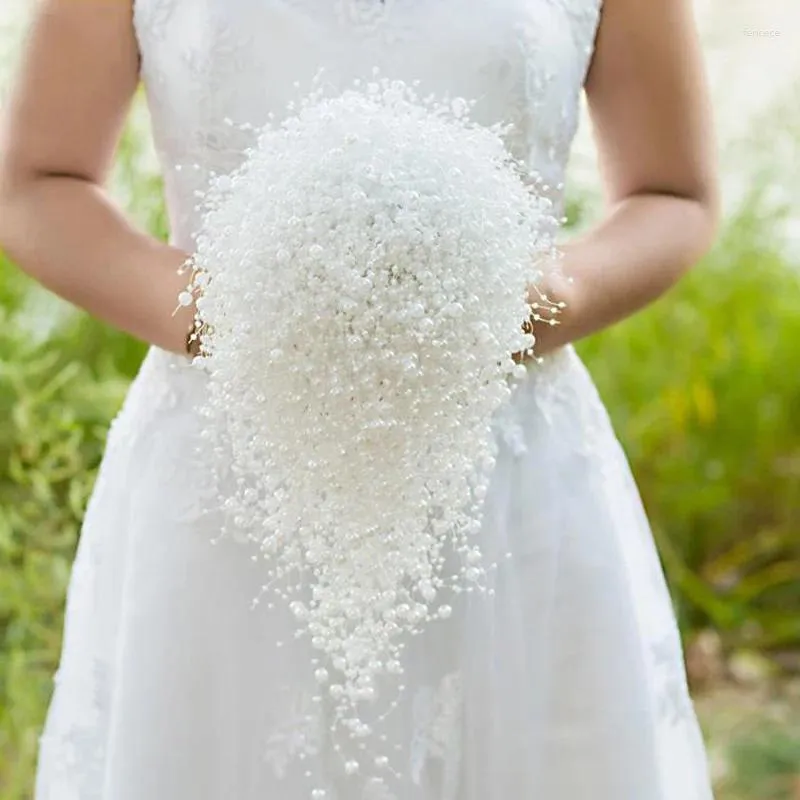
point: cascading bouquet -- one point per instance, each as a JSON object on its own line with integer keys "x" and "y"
{"x": 363, "y": 279}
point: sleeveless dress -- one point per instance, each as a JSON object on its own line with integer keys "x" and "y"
{"x": 567, "y": 684}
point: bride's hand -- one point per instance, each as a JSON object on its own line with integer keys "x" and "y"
{"x": 548, "y": 302}
{"x": 181, "y": 299}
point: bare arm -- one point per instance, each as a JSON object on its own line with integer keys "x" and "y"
{"x": 67, "y": 109}
{"x": 648, "y": 102}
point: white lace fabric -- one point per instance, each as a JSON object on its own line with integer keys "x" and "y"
{"x": 566, "y": 684}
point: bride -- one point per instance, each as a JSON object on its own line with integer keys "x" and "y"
{"x": 568, "y": 682}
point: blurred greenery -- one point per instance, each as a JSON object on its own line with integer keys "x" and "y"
{"x": 703, "y": 388}
{"x": 753, "y": 736}
{"x": 765, "y": 763}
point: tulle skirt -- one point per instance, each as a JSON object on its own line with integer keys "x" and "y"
{"x": 566, "y": 683}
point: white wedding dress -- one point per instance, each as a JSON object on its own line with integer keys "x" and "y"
{"x": 566, "y": 684}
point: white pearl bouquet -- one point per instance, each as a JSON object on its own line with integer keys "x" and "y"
{"x": 364, "y": 282}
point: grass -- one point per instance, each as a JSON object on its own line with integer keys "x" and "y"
{"x": 753, "y": 736}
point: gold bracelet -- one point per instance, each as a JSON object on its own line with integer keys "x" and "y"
{"x": 193, "y": 343}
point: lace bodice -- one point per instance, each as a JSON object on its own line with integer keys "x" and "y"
{"x": 209, "y": 63}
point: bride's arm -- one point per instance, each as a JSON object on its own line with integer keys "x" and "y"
{"x": 648, "y": 101}
{"x": 60, "y": 130}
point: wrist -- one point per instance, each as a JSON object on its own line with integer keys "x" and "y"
{"x": 174, "y": 303}
{"x": 553, "y": 312}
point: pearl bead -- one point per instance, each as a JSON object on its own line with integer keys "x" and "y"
{"x": 321, "y": 675}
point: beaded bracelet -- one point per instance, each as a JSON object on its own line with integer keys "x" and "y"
{"x": 193, "y": 339}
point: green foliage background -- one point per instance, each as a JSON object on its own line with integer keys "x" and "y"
{"x": 703, "y": 387}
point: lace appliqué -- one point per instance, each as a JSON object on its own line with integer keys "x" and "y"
{"x": 565, "y": 398}
{"x": 152, "y": 18}
{"x": 437, "y": 713}
{"x": 584, "y": 19}
{"x": 364, "y": 16}
{"x": 298, "y": 734}
{"x": 77, "y": 754}
{"x": 674, "y": 702}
